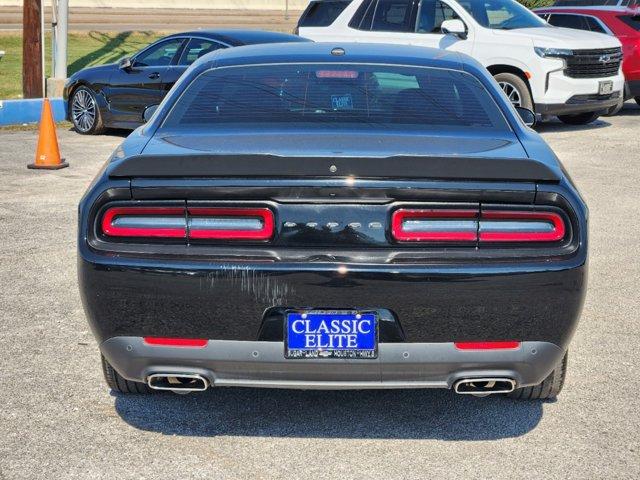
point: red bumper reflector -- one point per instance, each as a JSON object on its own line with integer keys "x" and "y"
{"x": 487, "y": 345}
{"x": 176, "y": 342}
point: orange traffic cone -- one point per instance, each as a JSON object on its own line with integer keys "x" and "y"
{"x": 48, "y": 153}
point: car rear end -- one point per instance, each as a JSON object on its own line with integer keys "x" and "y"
{"x": 303, "y": 235}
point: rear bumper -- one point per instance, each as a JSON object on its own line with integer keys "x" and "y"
{"x": 262, "y": 364}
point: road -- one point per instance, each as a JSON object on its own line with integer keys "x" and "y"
{"x": 59, "y": 420}
{"x": 159, "y": 20}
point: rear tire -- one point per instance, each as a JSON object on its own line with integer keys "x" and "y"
{"x": 579, "y": 118}
{"x": 516, "y": 89}
{"x": 549, "y": 388}
{"x": 119, "y": 384}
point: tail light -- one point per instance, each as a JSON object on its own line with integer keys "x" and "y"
{"x": 192, "y": 223}
{"x": 516, "y": 226}
{"x": 231, "y": 223}
{"x": 163, "y": 222}
{"x": 471, "y": 226}
{"x": 435, "y": 225}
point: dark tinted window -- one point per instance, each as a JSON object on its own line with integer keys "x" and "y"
{"x": 568, "y": 21}
{"x": 432, "y": 14}
{"x": 594, "y": 25}
{"x": 361, "y": 20}
{"x": 632, "y": 20}
{"x": 323, "y": 13}
{"x": 159, "y": 55}
{"x": 197, "y": 48}
{"x": 393, "y": 16}
{"x": 326, "y": 96}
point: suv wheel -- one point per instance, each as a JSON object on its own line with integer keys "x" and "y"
{"x": 550, "y": 386}
{"x": 119, "y": 384}
{"x": 85, "y": 113}
{"x": 516, "y": 89}
{"x": 579, "y": 118}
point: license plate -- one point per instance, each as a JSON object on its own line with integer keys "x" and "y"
{"x": 331, "y": 334}
{"x": 606, "y": 88}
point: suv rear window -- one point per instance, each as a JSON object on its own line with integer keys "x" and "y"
{"x": 322, "y": 13}
{"x": 632, "y": 20}
{"x": 328, "y": 95}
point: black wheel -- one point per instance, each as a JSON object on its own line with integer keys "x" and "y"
{"x": 516, "y": 89}
{"x": 637, "y": 100}
{"x": 549, "y": 388}
{"x": 579, "y": 118}
{"x": 118, "y": 383}
{"x": 85, "y": 113}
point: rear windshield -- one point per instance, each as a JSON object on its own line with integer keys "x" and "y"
{"x": 369, "y": 96}
{"x": 322, "y": 13}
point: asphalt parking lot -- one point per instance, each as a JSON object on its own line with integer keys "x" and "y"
{"x": 59, "y": 420}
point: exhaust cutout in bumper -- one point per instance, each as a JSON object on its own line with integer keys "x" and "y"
{"x": 178, "y": 383}
{"x": 484, "y": 386}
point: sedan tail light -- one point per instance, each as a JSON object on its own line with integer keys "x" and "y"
{"x": 521, "y": 226}
{"x": 192, "y": 223}
{"x": 435, "y": 225}
{"x": 472, "y": 226}
{"x": 163, "y": 222}
{"x": 231, "y": 223}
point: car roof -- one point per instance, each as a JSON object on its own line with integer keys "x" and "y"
{"x": 337, "y": 52}
{"x": 237, "y": 37}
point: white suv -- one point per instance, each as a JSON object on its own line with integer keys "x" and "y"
{"x": 573, "y": 74}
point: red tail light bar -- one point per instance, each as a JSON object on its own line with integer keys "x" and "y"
{"x": 193, "y": 223}
{"x": 471, "y": 226}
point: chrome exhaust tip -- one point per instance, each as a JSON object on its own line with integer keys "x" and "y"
{"x": 481, "y": 387}
{"x": 178, "y": 382}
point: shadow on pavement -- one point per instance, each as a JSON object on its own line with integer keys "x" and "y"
{"x": 382, "y": 414}
{"x": 558, "y": 126}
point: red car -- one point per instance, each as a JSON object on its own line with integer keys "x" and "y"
{"x": 623, "y": 22}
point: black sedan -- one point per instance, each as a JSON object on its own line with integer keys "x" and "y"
{"x": 334, "y": 216}
{"x": 116, "y": 95}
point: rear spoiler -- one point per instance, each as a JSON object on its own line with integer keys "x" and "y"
{"x": 400, "y": 167}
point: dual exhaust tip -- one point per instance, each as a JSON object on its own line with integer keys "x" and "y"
{"x": 178, "y": 382}
{"x": 482, "y": 387}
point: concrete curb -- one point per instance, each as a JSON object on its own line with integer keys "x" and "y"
{"x": 18, "y": 112}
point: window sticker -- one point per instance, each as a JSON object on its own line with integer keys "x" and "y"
{"x": 342, "y": 102}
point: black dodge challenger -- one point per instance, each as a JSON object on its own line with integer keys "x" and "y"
{"x": 116, "y": 95}
{"x": 334, "y": 216}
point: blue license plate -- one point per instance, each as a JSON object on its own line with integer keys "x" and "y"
{"x": 328, "y": 334}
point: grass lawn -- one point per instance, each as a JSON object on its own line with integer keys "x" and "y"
{"x": 84, "y": 49}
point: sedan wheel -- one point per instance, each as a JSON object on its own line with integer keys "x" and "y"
{"x": 85, "y": 114}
